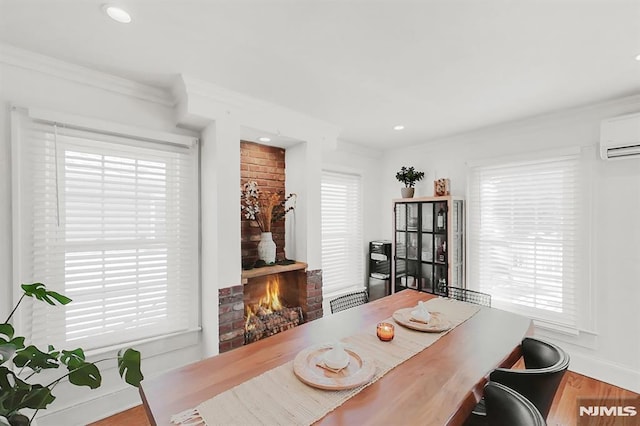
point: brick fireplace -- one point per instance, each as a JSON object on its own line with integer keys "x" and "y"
{"x": 299, "y": 288}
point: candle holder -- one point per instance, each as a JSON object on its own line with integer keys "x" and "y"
{"x": 385, "y": 331}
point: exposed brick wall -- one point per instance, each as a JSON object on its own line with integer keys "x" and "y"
{"x": 314, "y": 295}
{"x": 265, "y": 165}
{"x": 231, "y": 317}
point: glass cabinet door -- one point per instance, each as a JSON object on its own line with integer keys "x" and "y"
{"x": 426, "y": 281}
{"x": 401, "y": 217}
{"x": 426, "y": 253}
{"x": 412, "y": 217}
{"x": 427, "y": 217}
{"x": 412, "y": 245}
{"x": 440, "y": 212}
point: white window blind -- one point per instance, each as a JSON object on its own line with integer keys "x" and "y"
{"x": 111, "y": 222}
{"x": 525, "y": 237}
{"x": 342, "y": 244}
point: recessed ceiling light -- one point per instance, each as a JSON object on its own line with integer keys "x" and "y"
{"x": 117, "y": 13}
{"x": 264, "y": 139}
{"x": 398, "y": 127}
{"x": 638, "y": 58}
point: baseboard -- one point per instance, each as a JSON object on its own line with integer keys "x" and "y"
{"x": 605, "y": 371}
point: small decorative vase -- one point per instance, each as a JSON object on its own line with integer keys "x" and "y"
{"x": 407, "y": 192}
{"x": 267, "y": 248}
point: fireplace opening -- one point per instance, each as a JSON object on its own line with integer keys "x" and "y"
{"x": 299, "y": 293}
{"x": 271, "y": 306}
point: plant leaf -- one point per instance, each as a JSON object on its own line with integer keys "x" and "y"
{"x": 8, "y": 344}
{"x": 7, "y": 331}
{"x": 72, "y": 359}
{"x": 87, "y": 374}
{"x": 16, "y": 394}
{"x": 129, "y": 366}
{"x": 35, "y": 359}
{"x": 37, "y": 398}
{"x": 40, "y": 292}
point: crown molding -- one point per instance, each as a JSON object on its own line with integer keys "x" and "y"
{"x": 199, "y": 101}
{"x": 25, "y": 59}
{"x": 358, "y": 149}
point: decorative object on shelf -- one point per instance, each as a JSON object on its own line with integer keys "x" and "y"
{"x": 441, "y": 187}
{"x": 409, "y": 176}
{"x": 267, "y": 248}
{"x": 265, "y": 208}
{"x": 385, "y": 331}
{"x": 16, "y": 393}
{"x": 441, "y": 219}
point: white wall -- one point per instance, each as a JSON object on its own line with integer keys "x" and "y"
{"x": 68, "y": 91}
{"x": 610, "y": 350}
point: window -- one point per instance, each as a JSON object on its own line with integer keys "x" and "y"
{"x": 110, "y": 221}
{"x": 342, "y": 245}
{"x": 525, "y": 237}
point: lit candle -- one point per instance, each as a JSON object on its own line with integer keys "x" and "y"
{"x": 385, "y": 331}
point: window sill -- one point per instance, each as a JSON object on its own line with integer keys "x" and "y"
{"x": 585, "y": 339}
{"x": 148, "y": 348}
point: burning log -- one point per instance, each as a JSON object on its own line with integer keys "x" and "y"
{"x": 259, "y": 326}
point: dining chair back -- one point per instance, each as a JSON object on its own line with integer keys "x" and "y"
{"x": 545, "y": 365}
{"x": 506, "y": 407}
{"x": 349, "y": 300}
{"x": 472, "y": 296}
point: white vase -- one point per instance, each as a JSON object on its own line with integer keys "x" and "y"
{"x": 267, "y": 248}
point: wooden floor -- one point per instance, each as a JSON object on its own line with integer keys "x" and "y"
{"x": 563, "y": 412}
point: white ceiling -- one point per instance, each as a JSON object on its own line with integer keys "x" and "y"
{"x": 437, "y": 66}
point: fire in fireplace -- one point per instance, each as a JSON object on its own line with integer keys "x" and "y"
{"x": 269, "y": 315}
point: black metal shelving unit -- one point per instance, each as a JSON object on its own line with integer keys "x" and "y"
{"x": 428, "y": 240}
{"x": 379, "y": 283}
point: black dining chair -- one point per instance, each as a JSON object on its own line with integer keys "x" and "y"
{"x": 471, "y": 296}
{"x": 545, "y": 365}
{"x": 506, "y": 407}
{"x": 349, "y": 300}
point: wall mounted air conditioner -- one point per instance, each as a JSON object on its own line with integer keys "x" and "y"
{"x": 620, "y": 137}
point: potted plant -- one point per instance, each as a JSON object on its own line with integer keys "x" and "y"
{"x": 265, "y": 208}
{"x": 409, "y": 176}
{"x": 19, "y": 364}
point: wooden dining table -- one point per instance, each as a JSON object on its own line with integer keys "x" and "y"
{"x": 438, "y": 386}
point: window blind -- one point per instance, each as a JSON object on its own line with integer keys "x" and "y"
{"x": 342, "y": 244}
{"x": 524, "y": 237}
{"x": 111, "y": 222}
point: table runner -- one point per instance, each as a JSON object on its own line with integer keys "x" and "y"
{"x": 291, "y": 402}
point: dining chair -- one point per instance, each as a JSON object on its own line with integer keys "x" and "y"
{"x": 466, "y": 295}
{"x": 349, "y": 300}
{"x": 545, "y": 365}
{"x": 506, "y": 407}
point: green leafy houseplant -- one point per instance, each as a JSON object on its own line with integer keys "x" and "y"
{"x": 409, "y": 176}
{"x": 19, "y": 364}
